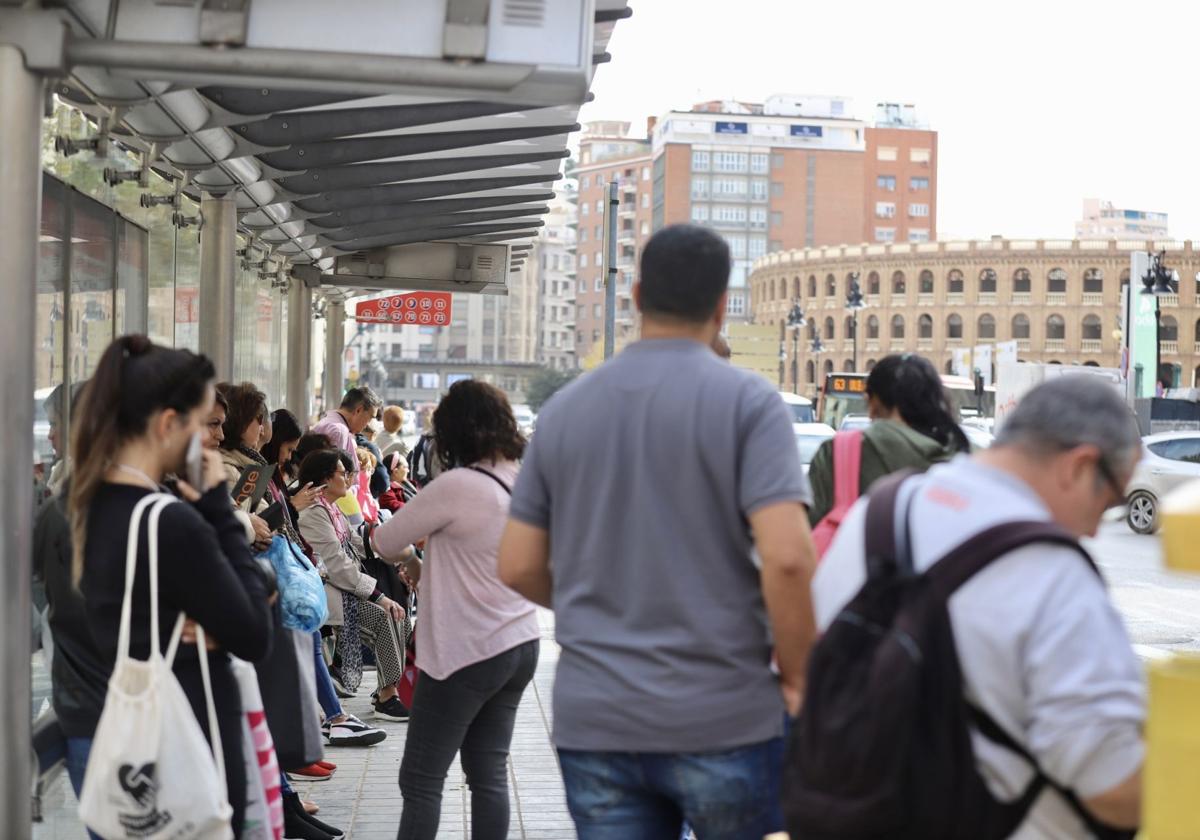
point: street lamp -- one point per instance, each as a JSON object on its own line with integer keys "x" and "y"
{"x": 817, "y": 349}
{"x": 1158, "y": 279}
{"x": 795, "y": 321}
{"x": 854, "y": 303}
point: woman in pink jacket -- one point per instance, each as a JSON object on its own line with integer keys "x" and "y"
{"x": 477, "y": 640}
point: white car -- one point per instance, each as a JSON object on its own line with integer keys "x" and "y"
{"x": 1168, "y": 460}
{"x": 809, "y": 437}
{"x": 853, "y": 422}
{"x": 801, "y": 408}
{"x": 525, "y": 418}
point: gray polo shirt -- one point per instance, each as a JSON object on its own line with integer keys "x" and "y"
{"x": 644, "y": 472}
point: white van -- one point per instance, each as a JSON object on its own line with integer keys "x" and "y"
{"x": 800, "y": 407}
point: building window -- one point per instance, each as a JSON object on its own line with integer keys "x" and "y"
{"x": 700, "y": 161}
{"x": 730, "y": 161}
{"x": 920, "y": 155}
{"x": 918, "y": 183}
{"x": 1056, "y": 328}
{"x": 777, "y": 189}
{"x": 872, "y": 328}
{"x": 598, "y": 233}
{"x": 1022, "y": 282}
{"x": 699, "y": 213}
{"x": 1093, "y": 281}
{"x": 1168, "y": 329}
{"x": 758, "y": 218}
{"x": 599, "y": 206}
{"x": 898, "y": 283}
{"x": 873, "y": 283}
{"x": 760, "y": 163}
{"x": 925, "y": 327}
{"x": 1092, "y": 329}
{"x": 758, "y": 246}
{"x": 812, "y": 285}
{"x": 776, "y": 218}
{"x": 885, "y": 234}
{"x": 954, "y": 282}
{"x": 986, "y": 327}
{"x": 918, "y": 211}
{"x": 829, "y": 329}
{"x": 735, "y": 304}
{"x": 810, "y": 371}
{"x": 645, "y": 228}
{"x": 645, "y": 173}
{"x": 645, "y": 200}
{"x": 886, "y": 182}
{"x": 735, "y": 187}
{"x": 777, "y": 160}
{"x": 583, "y": 209}
{"x": 925, "y": 282}
{"x": 898, "y": 326}
{"x": 830, "y": 285}
{"x": 599, "y": 259}
{"x": 583, "y": 235}
{"x": 729, "y": 214}
{"x": 954, "y": 327}
{"x": 582, "y": 285}
{"x": 597, "y": 310}
{"x": 1020, "y": 327}
{"x": 699, "y": 188}
{"x": 886, "y": 153}
{"x": 758, "y": 189}
{"x": 737, "y": 246}
{"x": 1056, "y": 281}
{"x": 918, "y": 234}
{"x": 885, "y": 210}
{"x": 987, "y": 281}
{"x": 583, "y": 260}
{"x": 599, "y": 284}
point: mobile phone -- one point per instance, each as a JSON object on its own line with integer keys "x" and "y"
{"x": 195, "y": 463}
{"x": 273, "y": 516}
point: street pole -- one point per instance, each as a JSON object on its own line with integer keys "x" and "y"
{"x": 610, "y": 272}
{"x": 796, "y": 360}
{"x": 782, "y": 353}
{"x": 854, "y": 335}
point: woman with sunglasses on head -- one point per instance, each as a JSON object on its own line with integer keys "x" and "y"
{"x": 358, "y": 608}
{"x": 142, "y": 412}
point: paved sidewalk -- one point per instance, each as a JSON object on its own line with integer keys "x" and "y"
{"x": 363, "y": 797}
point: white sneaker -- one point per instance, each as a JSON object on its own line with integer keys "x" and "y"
{"x": 351, "y": 732}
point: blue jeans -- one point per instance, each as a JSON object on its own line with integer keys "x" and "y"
{"x": 326, "y": 694}
{"x": 730, "y": 795}
{"x": 78, "y": 750}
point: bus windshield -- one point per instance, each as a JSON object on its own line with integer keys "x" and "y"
{"x": 846, "y": 393}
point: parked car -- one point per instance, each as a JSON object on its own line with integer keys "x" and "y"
{"x": 525, "y": 418}
{"x": 852, "y": 422}
{"x": 800, "y": 407}
{"x": 809, "y": 437}
{"x": 1168, "y": 460}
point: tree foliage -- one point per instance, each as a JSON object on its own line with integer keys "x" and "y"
{"x": 544, "y": 384}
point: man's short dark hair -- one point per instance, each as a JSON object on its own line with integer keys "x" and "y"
{"x": 361, "y": 397}
{"x": 685, "y": 270}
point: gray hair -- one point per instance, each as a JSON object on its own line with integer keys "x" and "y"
{"x": 362, "y": 397}
{"x": 1073, "y": 410}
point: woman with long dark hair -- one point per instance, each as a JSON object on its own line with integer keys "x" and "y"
{"x": 477, "y": 639}
{"x": 913, "y": 427}
{"x": 137, "y": 420}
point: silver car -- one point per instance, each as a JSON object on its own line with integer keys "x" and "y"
{"x": 1168, "y": 460}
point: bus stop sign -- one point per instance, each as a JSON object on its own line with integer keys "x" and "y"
{"x": 422, "y": 309}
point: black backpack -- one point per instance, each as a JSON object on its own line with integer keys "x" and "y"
{"x": 420, "y": 461}
{"x": 882, "y": 749}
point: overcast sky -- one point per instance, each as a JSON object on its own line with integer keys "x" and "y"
{"x": 1037, "y": 104}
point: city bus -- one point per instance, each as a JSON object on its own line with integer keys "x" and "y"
{"x": 846, "y": 393}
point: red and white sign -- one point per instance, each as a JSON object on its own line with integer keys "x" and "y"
{"x": 426, "y": 309}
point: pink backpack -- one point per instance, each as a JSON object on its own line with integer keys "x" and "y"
{"x": 847, "y": 464}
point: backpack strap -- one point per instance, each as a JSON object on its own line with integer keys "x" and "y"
{"x": 847, "y": 469}
{"x": 493, "y": 477}
{"x": 881, "y": 542}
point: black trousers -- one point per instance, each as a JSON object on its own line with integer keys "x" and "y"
{"x": 472, "y": 710}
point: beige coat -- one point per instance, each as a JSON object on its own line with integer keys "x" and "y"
{"x": 344, "y": 573}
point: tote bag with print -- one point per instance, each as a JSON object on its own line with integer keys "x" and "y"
{"x": 151, "y": 774}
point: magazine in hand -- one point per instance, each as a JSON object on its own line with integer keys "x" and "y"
{"x": 252, "y": 484}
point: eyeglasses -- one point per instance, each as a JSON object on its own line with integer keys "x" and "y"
{"x": 1110, "y": 478}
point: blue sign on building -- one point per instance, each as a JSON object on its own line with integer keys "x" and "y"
{"x": 807, "y": 131}
{"x": 731, "y": 128}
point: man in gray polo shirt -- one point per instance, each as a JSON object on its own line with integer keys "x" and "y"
{"x": 635, "y": 514}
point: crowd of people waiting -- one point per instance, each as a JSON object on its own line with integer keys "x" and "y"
{"x": 260, "y": 487}
{"x": 697, "y": 630}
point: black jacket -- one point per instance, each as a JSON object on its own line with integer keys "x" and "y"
{"x": 79, "y": 673}
{"x": 381, "y": 479}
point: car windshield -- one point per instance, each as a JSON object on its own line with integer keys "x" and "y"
{"x": 800, "y": 413}
{"x": 808, "y": 446}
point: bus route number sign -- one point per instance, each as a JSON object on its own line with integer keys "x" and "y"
{"x": 425, "y": 309}
{"x": 847, "y": 385}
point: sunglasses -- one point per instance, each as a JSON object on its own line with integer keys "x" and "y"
{"x": 1110, "y": 478}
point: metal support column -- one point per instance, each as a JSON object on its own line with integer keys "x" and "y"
{"x": 610, "y": 272}
{"x": 299, "y": 351}
{"x": 20, "y": 212}
{"x": 335, "y": 343}
{"x": 218, "y": 273}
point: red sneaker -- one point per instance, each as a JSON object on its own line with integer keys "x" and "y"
{"x": 313, "y": 773}
{"x": 328, "y": 765}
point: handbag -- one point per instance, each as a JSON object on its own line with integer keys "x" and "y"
{"x": 151, "y": 774}
{"x": 301, "y": 592}
{"x": 847, "y": 467}
{"x": 288, "y": 684}
{"x": 264, "y": 797}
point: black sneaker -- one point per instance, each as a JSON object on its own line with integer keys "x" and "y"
{"x": 351, "y": 732}
{"x": 391, "y": 709}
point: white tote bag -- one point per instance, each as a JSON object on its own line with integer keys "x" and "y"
{"x": 151, "y": 774}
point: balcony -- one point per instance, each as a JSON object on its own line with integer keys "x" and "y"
{"x": 1168, "y": 301}
{"x": 897, "y": 346}
{"x": 924, "y": 344}
{"x": 1091, "y": 345}
{"x": 1022, "y": 298}
{"x": 1093, "y": 298}
{"x": 1056, "y": 345}
{"x": 872, "y": 345}
{"x": 925, "y": 300}
{"x": 987, "y": 299}
{"x": 627, "y": 209}
{"x": 955, "y": 299}
{"x": 1024, "y": 345}
{"x": 1170, "y": 348}
{"x": 1056, "y": 298}
{"x": 954, "y": 341}
{"x": 830, "y": 303}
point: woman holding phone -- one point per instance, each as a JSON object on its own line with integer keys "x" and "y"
{"x": 141, "y": 415}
